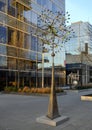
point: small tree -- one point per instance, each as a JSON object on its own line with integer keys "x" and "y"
{"x": 54, "y": 34}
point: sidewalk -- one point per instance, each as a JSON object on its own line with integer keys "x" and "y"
{"x": 18, "y": 112}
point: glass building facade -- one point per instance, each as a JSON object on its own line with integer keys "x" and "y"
{"x": 83, "y": 34}
{"x": 79, "y": 54}
{"x": 20, "y": 47}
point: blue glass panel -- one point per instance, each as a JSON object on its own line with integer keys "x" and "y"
{"x": 33, "y": 55}
{"x": 11, "y": 9}
{"x": 3, "y": 62}
{"x": 34, "y": 43}
{"x": 3, "y": 49}
{"x": 3, "y": 34}
{"x": 39, "y": 2}
{"x": 2, "y": 6}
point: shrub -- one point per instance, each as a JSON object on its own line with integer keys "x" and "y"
{"x": 58, "y": 90}
{"x": 7, "y": 89}
{"x": 32, "y": 90}
{"x": 48, "y": 90}
{"x": 26, "y": 89}
{"x": 10, "y": 89}
{"x": 14, "y": 89}
{"x": 39, "y": 90}
{"x": 19, "y": 90}
{"x": 43, "y": 90}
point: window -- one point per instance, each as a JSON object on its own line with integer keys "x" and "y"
{"x": 34, "y": 18}
{"x": 12, "y": 36}
{"x": 3, "y": 49}
{"x": 11, "y": 63}
{"x": 20, "y": 64}
{"x": 11, "y": 51}
{"x": 3, "y": 31}
{"x": 34, "y": 43}
{"x": 20, "y": 39}
{"x": 11, "y": 9}
{"x": 28, "y": 65}
{"x": 3, "y": 62}
{"x": 27, "y": 15}
{"x": 27, "y": 41}
{"x": 44, "y": 2}
{"x": 54, "y": 8}
{"x": 20, "y": 9}
{"x": 39, "y": 2}
{"x": 2, "y": 6}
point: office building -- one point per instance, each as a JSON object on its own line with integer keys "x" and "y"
{"x": 20, "y": 47}
{"x": 79, "y": 54}
{"x": 83, "y": 34}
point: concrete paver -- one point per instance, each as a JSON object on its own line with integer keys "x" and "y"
{"x": 19, "y": 112}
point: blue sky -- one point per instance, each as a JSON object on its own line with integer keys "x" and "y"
{"x": 80, "y": 10}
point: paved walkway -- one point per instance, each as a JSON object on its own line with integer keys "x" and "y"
{"x": 19, "y": 112}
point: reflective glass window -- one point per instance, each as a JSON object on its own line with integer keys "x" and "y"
{"x": 33, "y": 43}
{"x": 3, "y": 50}
{"x": 20, "y": 9}
{"x": 12, "y": 36}
{"x": 2, "y": 6}
{"x": 3, "y": 34}
{"x": 49, "y": 5}
{"x": 44, "y": 2}
{"x": 11, "y": 51}
{"x": 33, "y": 55}
{"x": 20, "y": 39}
{"x": 27, "y": 41}
{"x": 54, "y": 9}
{"x": 11, "y": 8}
{"x": 27, "y": 16}
{"x": 34, "y": 18}
{"x": 3, "y": 62}
{"x": 11, "y": 63}
{"x": 21, "y": 53}
{"x": 39, "y": 45}
{"x": 39, "y": 2}
{"x": 20, "y": 64}
{"x": 28, "y": 65}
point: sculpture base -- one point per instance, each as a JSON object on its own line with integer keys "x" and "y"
{"x": 54, "y": 122}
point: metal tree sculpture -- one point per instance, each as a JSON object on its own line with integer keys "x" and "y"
{"x": 54, "y": 34}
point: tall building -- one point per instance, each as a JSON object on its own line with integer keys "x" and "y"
{"x": 20, "y": 49}
{"x": 79, "y": 54}
{"x": 83, "y": 34}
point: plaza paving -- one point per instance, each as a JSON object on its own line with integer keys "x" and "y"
{"x": 19, "y": 112}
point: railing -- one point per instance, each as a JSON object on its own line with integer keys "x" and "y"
{"x": 26, "y": 3}
{"x": 14, "y": 22}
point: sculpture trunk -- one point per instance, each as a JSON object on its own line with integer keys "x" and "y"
{"x": 53, "y": 107}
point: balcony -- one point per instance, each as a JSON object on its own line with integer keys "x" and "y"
{"x": 14, "y": 22}
{"x": 26, "y": 3}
